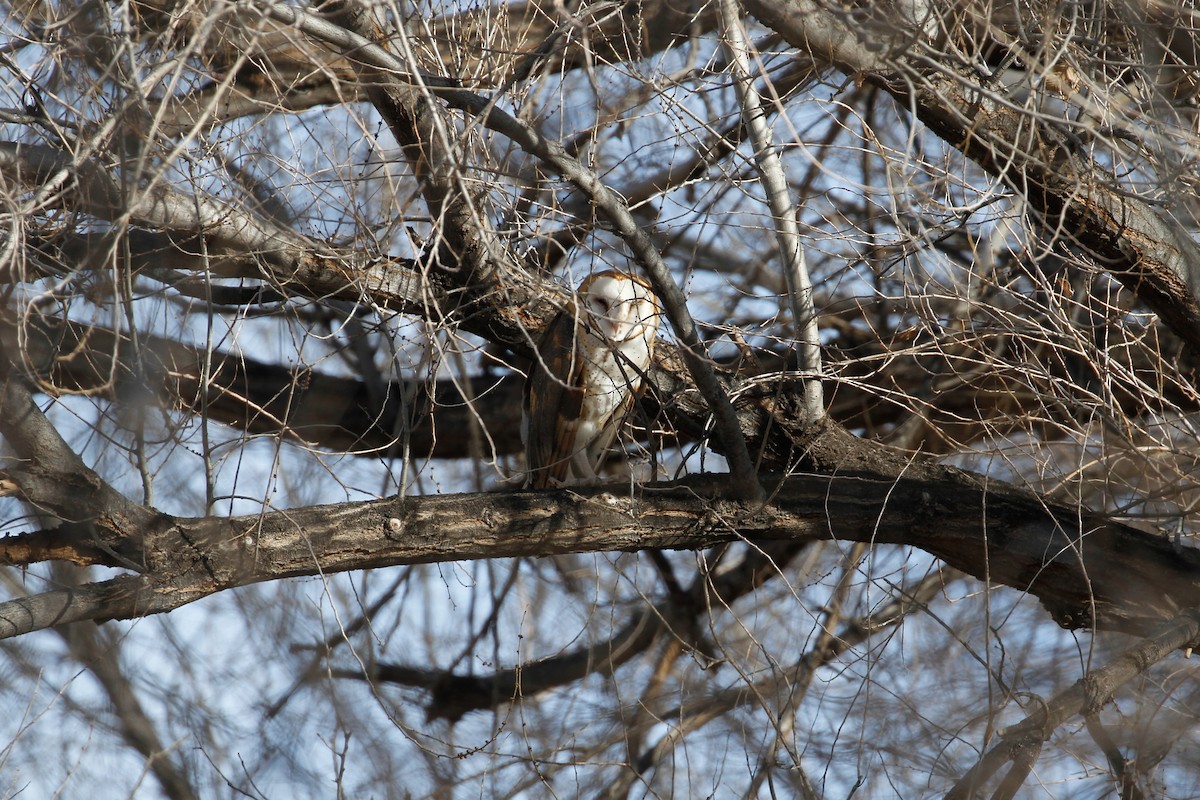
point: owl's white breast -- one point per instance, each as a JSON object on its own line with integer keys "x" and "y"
{"x": 610, "y": 373}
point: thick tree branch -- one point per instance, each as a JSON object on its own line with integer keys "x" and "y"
{"x": 54, "y": 480}
{"x": 119, "y": 598}
{"x": 1087, "y": 571}
{"x": 68, "y": 543}
{"x": 262, "y": 397}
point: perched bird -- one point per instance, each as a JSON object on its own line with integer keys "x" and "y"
{"x": 583, "y": 381}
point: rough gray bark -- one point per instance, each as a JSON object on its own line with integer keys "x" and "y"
{"x": 1088, "y": 572}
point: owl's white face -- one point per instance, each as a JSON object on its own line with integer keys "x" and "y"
{"x": 620, "y": 307}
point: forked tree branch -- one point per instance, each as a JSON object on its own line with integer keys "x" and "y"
{"x": 1087, "y": 696}
{"x": 54, "y": 480}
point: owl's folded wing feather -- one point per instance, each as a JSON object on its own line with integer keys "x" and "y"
{"x": 554, "y": 403}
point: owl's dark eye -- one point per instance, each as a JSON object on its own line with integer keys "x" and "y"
{"x": 600, "y": 304}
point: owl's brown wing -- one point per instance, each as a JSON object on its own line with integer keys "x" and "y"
{"x": 554, "y": 403}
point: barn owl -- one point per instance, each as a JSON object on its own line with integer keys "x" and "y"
{"x": 588, "y": 368}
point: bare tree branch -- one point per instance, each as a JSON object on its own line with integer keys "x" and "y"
{"x": 998, "y": 205}
{"x": 290, "y": 260}
{"x": 1087, "y": 571}
{"x": 1087, "y": 696}
{"x": 54, "y": 479}
{"x": 1140, "y": 246}
{"x": 783, "y": 211}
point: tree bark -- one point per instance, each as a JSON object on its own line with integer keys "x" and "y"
{"x": 1087, "y": 571}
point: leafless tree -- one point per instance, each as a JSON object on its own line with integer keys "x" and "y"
{"x": 907, "y": 508}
